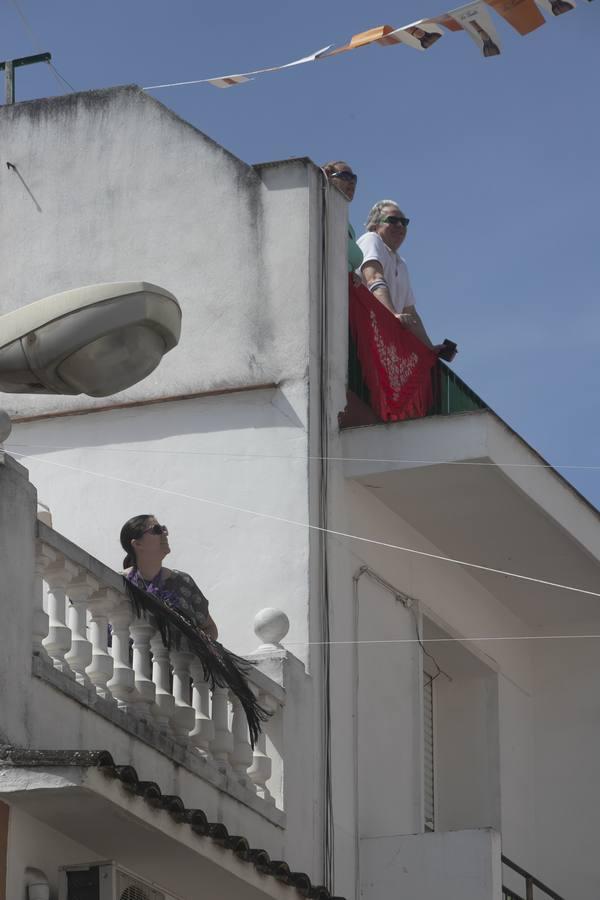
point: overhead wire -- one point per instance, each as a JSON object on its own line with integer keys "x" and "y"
{"x": 310, "y": 525}
{"x": 306, "y": 457}
{"x": 37, "y": 46}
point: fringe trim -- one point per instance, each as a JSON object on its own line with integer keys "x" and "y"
{"x": 220, "y": 666}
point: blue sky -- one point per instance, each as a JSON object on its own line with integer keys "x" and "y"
{"x": 495, "y": 161}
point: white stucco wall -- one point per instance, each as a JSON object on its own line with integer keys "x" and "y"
{"x": 458, "y": 864}
{"x": 33, "y": 844}
{"x": 209, "y": 469}
{"x": 126, "y": 190}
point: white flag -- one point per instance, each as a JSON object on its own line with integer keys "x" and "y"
{"x": 420, "y": 35}
{"x": 477, "y": 22}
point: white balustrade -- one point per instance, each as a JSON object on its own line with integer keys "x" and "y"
{"x": 204, "y": 730}
{"x": 79, "y": 656}
{"x": 161, "y": 676}
{"x": 222, "y": 744}
{"x": 141, "y": 632}
{"x": 58, "y": 642}
{"x": 184, "y": 717}
{"x": 100, "y": 669}
{"x": 44, "y": 557}
{"x": 241, "y": 755}
{"x": 122, "y": 683}
{"x": 166, "y": 688}
{"x": 261, "y": 768}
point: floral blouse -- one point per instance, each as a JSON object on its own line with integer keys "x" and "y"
{"x": 177, "y": 590}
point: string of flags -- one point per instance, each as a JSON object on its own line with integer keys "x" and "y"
{"x": 474, "y": 18}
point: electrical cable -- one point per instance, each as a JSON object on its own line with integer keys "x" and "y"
{"x": 304, "y": 457}
{"x": 37, "y": 46}
{"x": 343, "y": 534}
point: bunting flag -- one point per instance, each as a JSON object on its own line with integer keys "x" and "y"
{"x": 477, "y": 22}
{"x": 523, "y": 15}
{"x": 421, "y": 35}
{"x": 474, "y": 18}
{"x": 228, "y": 81}
{"x": 556, "y": 7}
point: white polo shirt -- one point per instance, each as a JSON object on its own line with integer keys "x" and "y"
{"x": 395, "y": 271}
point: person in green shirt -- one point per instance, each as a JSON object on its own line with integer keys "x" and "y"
{"x": 340, "y": 174}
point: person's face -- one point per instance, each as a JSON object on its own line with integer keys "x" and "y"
{"x": 153, "y": 544}
{"x": 393, "y": 234}
{"x": 344, "y": 179}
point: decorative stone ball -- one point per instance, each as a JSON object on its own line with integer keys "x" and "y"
{"x": 271, "y": 626}
{"x": 5, "y": 425}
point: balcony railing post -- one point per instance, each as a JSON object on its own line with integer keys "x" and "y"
{"x": 261, "y": 768}
{"x": 204, "y": 730}
{"x": 141, "y": 632}
{"x": 58, "y": 642}
{"x": 45, "y": 557}
{"x": 80, "y": 655}
{"x": 222, "y": 743}
{"x": 100, "y": 669}
{"x": 528, "y": 889}
{"x": 165, "y": 702}
{"x": 241, "y": 756}
{"x": 184, "y": 716}
{"x": 122, "y": 683}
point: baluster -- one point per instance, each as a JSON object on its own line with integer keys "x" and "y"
{"x": 222, "y": 743}
{"x": 100, "y": 669}
{"x": 241, "y": 757}
{"x": 141, "y": 632}
{"x": 260, "y": 770}
{"x": 122, "y": 683}
{"x": 44, "y": 557}
{"x": 204, "y": 730}
{"x": 80, "y": 655}
{"x": 58, "y": 642}
{"x": 184, "y": 716}
{"x": 165, "y": 702}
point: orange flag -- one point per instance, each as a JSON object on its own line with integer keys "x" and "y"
{"x": 523, "y": 15}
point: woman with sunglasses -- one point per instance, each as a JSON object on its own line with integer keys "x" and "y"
{"x": 179, "y": 610}
{"x": 340, "y": 174}
{"x": 146, "y": 544}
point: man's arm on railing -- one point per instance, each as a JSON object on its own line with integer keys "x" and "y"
{"x": 372, "y": 274}
{"x": 411, "y": 319}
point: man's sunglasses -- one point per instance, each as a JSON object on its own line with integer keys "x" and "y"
{"x": 156, "y": 529}
{"x": 345, "y": 176}
{"x": 395, "y": 220}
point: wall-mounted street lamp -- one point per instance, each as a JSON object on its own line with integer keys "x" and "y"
{"x": 94, "y": 340}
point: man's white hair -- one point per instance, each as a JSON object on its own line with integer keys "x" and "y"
{"x": 375, "y": 214}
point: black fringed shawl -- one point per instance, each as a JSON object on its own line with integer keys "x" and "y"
{"x": 221, "y": 667}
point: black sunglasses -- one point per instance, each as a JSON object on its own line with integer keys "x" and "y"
{"x": 156, "y": 529}
{"x": 345, "y": 176}
{"x": 395, "y": 220}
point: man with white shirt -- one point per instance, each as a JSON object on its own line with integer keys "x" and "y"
{"x": 384, "y": 272}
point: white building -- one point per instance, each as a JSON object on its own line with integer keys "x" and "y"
{"x": 400, "y": 785}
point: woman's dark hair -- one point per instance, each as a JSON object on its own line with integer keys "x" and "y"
{"x": 132, "y": 530}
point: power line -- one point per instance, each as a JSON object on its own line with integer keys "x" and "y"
{"x": 36, "y": 44}
{"x": 356, "y": 537}
{"x": 305, "y": 458}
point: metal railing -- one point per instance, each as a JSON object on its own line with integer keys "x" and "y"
{"x": 534, "y": 888}
{"x": 451, "y": 394}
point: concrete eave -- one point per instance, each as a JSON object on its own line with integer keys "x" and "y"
{"x": 478, "y": 492}
{"x": 100, "y": 813}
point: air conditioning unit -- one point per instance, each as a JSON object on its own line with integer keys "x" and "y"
{"x": 106, "y": 881}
